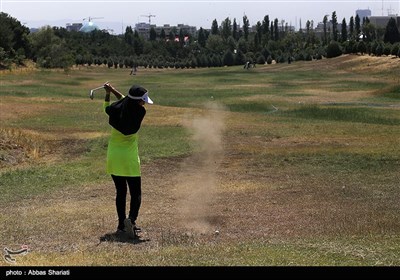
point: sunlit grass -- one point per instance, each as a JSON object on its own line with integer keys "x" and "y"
{"x": 357, "y": 115}
{"x": 336, "y": 252}
{"x": 315, "y": 145}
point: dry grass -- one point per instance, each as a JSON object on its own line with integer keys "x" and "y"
{"x": 18, "y": 147}
{"x": 15, "y": 109}
{"x": 259, "y": 190}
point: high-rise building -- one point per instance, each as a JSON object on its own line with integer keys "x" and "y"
{"x": 363, "y": 13}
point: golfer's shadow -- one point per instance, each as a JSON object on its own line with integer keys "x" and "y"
{"x": 122, "y": 237}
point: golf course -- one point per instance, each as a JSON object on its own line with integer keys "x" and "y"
{"x": 278, "y": 165}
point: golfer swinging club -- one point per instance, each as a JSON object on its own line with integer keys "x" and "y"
{"x": 123, "y": 162}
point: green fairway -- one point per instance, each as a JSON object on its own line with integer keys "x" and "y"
{"x": 291, "y": 164}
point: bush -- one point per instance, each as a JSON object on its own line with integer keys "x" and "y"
{"x": 379, "y": 50}
{"x": 261, "y": 59}
{"x": 387, "y": 49}
{"x": 333, "y": 50}
{"x": 361, "y": 47}
{"x": 395, "y": 49}
{"x": 228, "y": 59}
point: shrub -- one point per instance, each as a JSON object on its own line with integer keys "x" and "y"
{"x": 333, "y": 50}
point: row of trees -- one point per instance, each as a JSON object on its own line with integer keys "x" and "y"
{"x": 224, "y": 44}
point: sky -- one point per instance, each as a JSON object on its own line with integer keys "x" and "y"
{"x": 117, "y": 15}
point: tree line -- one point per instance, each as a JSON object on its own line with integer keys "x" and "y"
{"x": 223, "y": 44}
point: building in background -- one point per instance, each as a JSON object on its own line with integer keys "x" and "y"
{"x": 73, "y": 26}
{"x": 363, "y": 13}
{"x": 382, "y": 21}
{"x": 143, "y": 29}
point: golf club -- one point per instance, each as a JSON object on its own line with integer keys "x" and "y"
{"x": 93, "y": 90}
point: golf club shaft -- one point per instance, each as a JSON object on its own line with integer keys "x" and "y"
{"x": 98, "y": 88}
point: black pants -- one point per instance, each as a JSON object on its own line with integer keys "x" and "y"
{"x": 135, "y": 190}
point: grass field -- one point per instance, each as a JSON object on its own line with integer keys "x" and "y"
{"x": 280, "y": 165}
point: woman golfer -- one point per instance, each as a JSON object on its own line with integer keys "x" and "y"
{"x": 123, "y": 162}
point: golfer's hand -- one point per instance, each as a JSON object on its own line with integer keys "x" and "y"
{"x": 107, "y": 87}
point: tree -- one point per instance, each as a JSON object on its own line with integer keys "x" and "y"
{"x": 395, "y": 49}
{"x": 181, "y": 37}
{"x": 361, "y": 47}
{"x": 14, "y": 39}
{"x": 265, "y": 27}
{"x": 138, "y": 45}
{"x": 368, "y": 30}
{"x": 334, "y": 27}
{"x": 379, "y": 49}
{"x": 153, "y": 34}
{"x": 344, "y": 31}
{"x": 272, "y": 31}
{"x": 226, "y": 29}
{"x": 231, "y": 44}
{"x": 240, "y": 58}
{"x": 214, "y": 28}
{"x": 6, "y": 37}
{"x": 246, "y": 26}
{"x": 128, "y": 36}
{"x": 351, "y": 28}
{"x": 333, "y": 50}
{"x": 243, "y": 45}
{"x": 258, "y": 35}
{"x": 215, "y": 44}
{"x": 308, "y": 32}
{"x": 235, "y": 33}
{"x": 4, "y": 59}
{"x": 51, "y": 51}
{"x": 325, "y": 21}
{"x": 265, "y": 52}
{"x": 276, "y": 30}
{"x": 171, "y": 35}
{"x": 228, "y": 59}
{"x": 162, "y": 34}
{"x": 260, "y": 59}
{"x": 201, "y": 37}
{"x": 357, "y": 28}
{"x": 269, "y": 38}
{"x": 391, "y": 32}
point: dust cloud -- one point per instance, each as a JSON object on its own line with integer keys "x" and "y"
{"x": 197, "y": 180}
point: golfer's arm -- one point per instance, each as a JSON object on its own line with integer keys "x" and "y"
{"x": 117, "y": 94}
{"x": 107, "y": 96}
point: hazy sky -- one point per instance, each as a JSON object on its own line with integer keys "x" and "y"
{"x": 117, "y": 15}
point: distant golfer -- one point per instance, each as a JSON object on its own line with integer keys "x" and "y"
{"x": 123, "y": 162}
